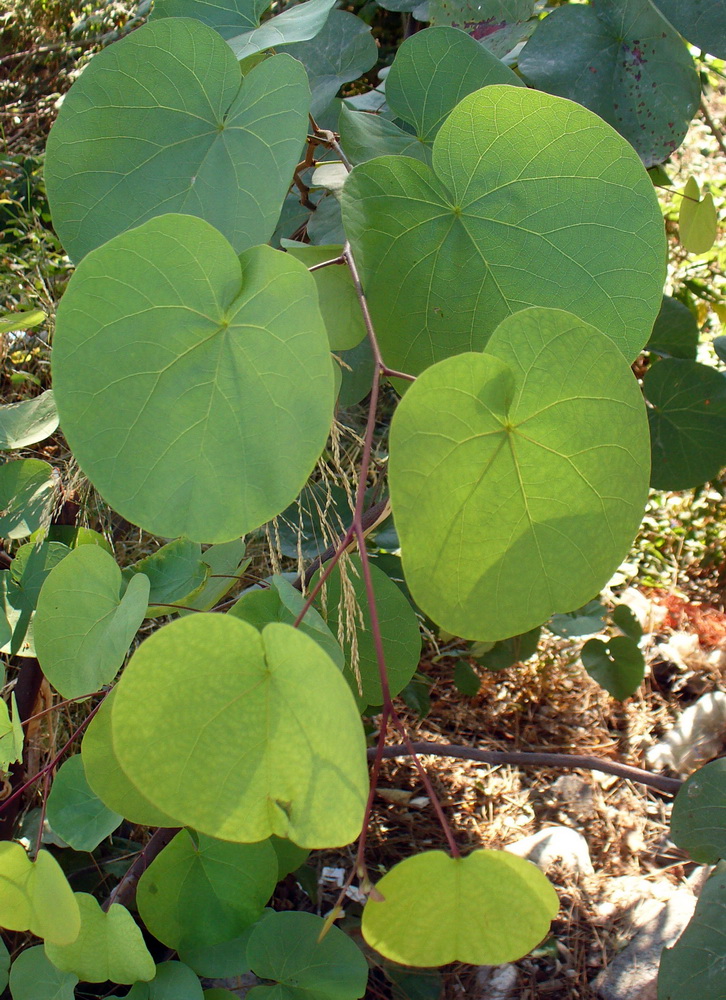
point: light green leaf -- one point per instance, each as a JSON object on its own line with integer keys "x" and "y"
{"x": 339, "y": 303}
{"x": 176, "y": 575}
{"x": 10, "y": 322}
{"x": 488, "y": 908}
{"x": 296, "y": 24}
{"x": 275, "y": 723}
{"x": 358, "y": 368}
{"x": 702, "y": 22}
{"x": 35, "y": 896}
{"x": 698, "y": 822}
{"x": 341, "y": 51}
{"x": 204, "y": 414}
{"x": 687, "y": 416}
{"x": 225, "y": 16}
{"x": 28, "y": 421}
{"x": 227, "y": 565}
{"x": 187, "y": 134}
{"x": 497, "y": 24}
{"x": 617, "y": 665}
{"x": 697, "y": 219}
{"x": 675, "y": 333}
{"x": 173, "y": 981}
{"x": 625, "y": 62}
{"x": 27, "y": 495}
{"x": 433, "y": 71}
{"x": 325, "y": 225}
{"x": 518, "y": 477}
{"x": 107, "y": 778}
{"x": 109, "y": 946}
{"x": 75, "y": 812}
{"x": 696, "y": 964}
{"x": 86, "y": 620}
{"x": 288, "y": 949}
{"x": 33, "y": 977}
{"x": 11, "y": 735}
{"x": 201, "y": 892}
{"x": 281, "y": 602}
{"x": 523, "y": 187}
{"x": 399, "y": 631}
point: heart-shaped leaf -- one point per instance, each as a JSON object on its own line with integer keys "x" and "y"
{"x": 520, "y": 474}
{"x": 698, "y": 823}
{"x": 199, "y": 892}
{"x": 34, "y": 977}
{"x": 173, "y": 981}
{"x": 497, "y": 25}
{"x": 687, "y": 416}
{"x": 187, "y": 134}
{"x": 86, "y": 620}
{"x": 524, "y": 187}
{"x": 275, "y": 723}
{"x": 35, "y": 896}
{"x": 617, "y": 665}
{"x": 27, "y": 422}
{"x": 21, "y": 587}
{"x": 625, "y": 62}
{"x": 305, "y": 963}
{"x": 110, "y": 946}
{"x": 226, "y": 564}
{"x": 702, "y": 22}
{"x": 75, "y": 812}
{"x": 488, "y": 908}
{"x": 194, "y": 403}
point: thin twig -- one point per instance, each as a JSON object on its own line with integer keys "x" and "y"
{"x": 125, "y": 890}
{"x": 716, "y": 130}
{"x": 327, "y": 263}
{"x": 526, "y": 758}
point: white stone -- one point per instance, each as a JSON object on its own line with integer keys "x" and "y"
{"x": 553, "y": 844}
{"x": 696, "y": 737}
{"x": 496, "y": 982}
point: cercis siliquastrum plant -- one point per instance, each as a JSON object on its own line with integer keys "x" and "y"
{"x": 497, "y": 255}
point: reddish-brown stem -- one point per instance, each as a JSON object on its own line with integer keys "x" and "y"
{"x": 54, "y": 761}
{"x": 125, "y": 890}
{"x": 525, "y": 758}
{"x": 375, "y": 772}
{"x": 62, "y": 704}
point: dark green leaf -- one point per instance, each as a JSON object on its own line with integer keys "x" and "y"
{"x": 702, "y": 22}
{"x": 695, "y": 966}
{"x": 75, "y": 812}
{"x": 617, "y": 665}
{"x": 466, "y": 679}
{"x": 622, "y": 60}
{"x": 204, "y": 142}
{"x": 27, "y": 422}
{"x": 521, "y": 187}
{"x": 675, "y": 333}
{"x": 27, "y": 495}
{"x": 228, "y": 17}
{"x": 584, "y": 621}
{"x": 626, "y": 621}
{"x": 288, "y": 949}
{"x": 698, "y": 823}
{"x": 34, "y": 977}
{"x": 687, "y": 416}
{"x": 497, "y": 24}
